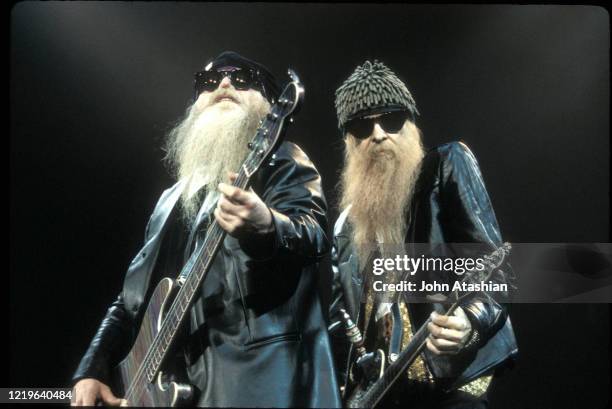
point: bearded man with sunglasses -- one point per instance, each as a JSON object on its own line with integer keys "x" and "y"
{"x": 255, "y": 336}
{"x": 394, "y": 192}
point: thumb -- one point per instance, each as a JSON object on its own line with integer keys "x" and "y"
{"x": 108, "y": 397}
{"x": 461, "y": 314}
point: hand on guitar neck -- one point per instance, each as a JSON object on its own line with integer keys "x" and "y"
{"x": 448, "y": 333}
{"x": 241, "y": 212}
{"x": 88, "y": 391}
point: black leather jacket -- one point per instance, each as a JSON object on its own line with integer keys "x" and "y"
{"x": 450, "y": 205}
{"x": 257, "y": 335}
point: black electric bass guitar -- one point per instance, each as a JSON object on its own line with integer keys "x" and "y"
{"x": 376, "y": 380}
{"x": 139, "y": 376}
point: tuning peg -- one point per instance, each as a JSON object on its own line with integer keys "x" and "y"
{"x": 250, "y": 146}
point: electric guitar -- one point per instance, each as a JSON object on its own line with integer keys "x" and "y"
{"x": 138, "y": 376}
{"x": 376, "y": 381}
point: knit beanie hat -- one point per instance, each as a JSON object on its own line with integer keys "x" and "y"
{"x": 371, "y": 89}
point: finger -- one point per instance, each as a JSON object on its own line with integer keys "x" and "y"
{"x": 227, "y": 223}
{"x": 233, "y": 193}
{"x": 108, "y": 397}
{"x": 437, "y": 351}
{"x": 453, "y": 322}
{"x": 458, "y": 323}
{"x": 444, "y": 344}
{"x": 88, "y": 399}
{"x": 446, "y": 333}
{"x": 432, "y": 347}
{"x": 460, "y": 313}
{"x": 78, "y": 398}
{"x": 230, "y": 208}
{"x": 85, "y": 396}
{"x": 227, "y": 217}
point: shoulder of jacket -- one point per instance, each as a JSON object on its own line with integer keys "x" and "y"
{"x": 291, "y": 151}
{"x": 449, "y": 155}
{"x": 451, "y": 150}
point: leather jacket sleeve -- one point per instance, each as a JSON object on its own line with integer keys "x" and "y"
{"x": 470, "y": 218}
{"x": 291, "y": 188}
{"x": 107, "y": 346}
{"x": 337, "y": 293}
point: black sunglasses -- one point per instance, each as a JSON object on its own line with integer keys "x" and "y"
{"x": 391, "y": 122}
{"x": 241, "y": 80}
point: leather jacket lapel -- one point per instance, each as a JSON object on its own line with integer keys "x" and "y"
{"x": 139, "y": 272}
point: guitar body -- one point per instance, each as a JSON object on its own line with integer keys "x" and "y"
{"x": 155, "y": 393}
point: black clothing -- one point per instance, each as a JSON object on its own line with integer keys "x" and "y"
{"x": 450, "y": 205}
{"x": 257, "y": 336}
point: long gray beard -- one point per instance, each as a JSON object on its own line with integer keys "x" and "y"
{"x": 379, "y": 185}
{"x": 205, "y": 146}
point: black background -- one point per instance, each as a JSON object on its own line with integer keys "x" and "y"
{"x": 94, "y": 87}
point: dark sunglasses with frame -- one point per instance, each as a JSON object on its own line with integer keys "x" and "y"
{"x": 390, "y": 122}
{"x": 242, "y": 80}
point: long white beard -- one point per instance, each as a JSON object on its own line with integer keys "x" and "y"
{"x": 205, "y": 146}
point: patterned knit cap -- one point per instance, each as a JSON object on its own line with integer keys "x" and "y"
{"x": 372, "y": 89}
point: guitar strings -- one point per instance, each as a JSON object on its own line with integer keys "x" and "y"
{"x": 215, "y": 234}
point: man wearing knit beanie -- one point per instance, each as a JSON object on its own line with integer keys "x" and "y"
{"x": 392, "y": 193}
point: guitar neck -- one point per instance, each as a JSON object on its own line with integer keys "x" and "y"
{"x": 195, "y": 270}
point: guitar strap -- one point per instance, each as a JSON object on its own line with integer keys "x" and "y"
{"x": 396, "y": 335}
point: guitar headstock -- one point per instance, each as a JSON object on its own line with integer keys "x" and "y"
{"x": 491, "y": 262}
{"x": 270, "y": 132}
